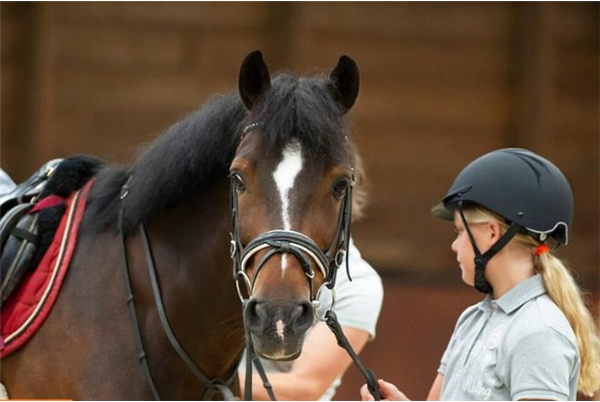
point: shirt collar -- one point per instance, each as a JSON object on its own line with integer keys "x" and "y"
{"x": 527, "y": 290}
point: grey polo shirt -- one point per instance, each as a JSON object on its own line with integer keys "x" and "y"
{"x": 520, "y": 346}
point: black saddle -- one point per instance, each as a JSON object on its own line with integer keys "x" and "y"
{"x": 25, "y": 236}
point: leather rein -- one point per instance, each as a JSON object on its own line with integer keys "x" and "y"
{"x": 211, "y": 386}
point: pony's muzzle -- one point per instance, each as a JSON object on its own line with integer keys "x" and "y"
{"x": 278, "y": 330}
{"x": 296, "y": 317}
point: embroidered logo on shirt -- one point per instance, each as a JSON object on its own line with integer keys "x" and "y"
{"x": 475, "y": 386}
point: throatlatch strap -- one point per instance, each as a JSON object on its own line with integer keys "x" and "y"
{"x": 335, "y": 327}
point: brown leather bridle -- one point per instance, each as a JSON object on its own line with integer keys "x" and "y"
{"x": 288, "y": 241}
{"x": 305, "y": 250}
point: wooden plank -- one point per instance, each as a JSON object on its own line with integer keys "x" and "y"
{"x": 125, "y": 89}
{"x": 174, "y": 14}
{"x": 11, "y": 27}
{"x": 95, "y": 48}
{"x": 17, "y": 80}
{"x": 403, "y": 60}
{"x": 577, "y": 25}
{"x": 474, "y": 107}
{"x": 535, "y": 60}
{"x": 437, "y": 91}
{"x": 444, "y": 22}
{"x": 112, "y": 135}
{"x": 220, "y": 55}
{"x": 571, "y": 120}
{"x": 577, "y": 76}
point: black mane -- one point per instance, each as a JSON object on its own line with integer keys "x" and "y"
{"x": 197, "y": 150}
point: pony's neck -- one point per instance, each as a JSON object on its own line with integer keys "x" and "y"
{"x": 190, "y": 243}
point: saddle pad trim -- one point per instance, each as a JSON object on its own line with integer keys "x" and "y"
{"x": 67, "y": 233}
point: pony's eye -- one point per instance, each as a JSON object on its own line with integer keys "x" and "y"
{"x": 340, "y": 188}
{"x": 238, "y": 182}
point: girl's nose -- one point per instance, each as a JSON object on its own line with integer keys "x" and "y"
{"x": 453, "y": 246}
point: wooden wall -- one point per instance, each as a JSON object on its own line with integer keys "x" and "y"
{"x": 442, "y": 83}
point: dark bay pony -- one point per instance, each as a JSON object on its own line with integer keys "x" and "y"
{"x": 279, "y": 153}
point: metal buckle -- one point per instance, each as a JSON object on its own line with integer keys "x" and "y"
{"x": 232, "y": 248}
{"x": 317, "y": 303}
{"x": 339, "y": 257}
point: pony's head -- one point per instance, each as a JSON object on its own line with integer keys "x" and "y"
{"x": 291, "y": 185}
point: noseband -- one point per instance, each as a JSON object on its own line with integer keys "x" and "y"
{"x": 288, "y": 241}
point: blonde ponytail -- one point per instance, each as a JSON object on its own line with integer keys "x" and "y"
{"x": 565, "y": 293}
{"x": 563, "y": 290}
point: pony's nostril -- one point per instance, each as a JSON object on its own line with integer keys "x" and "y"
{"x": 255, "y": 315}
{"x": 302, "y": 317}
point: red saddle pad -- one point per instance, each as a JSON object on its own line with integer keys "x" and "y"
{"x": 26, "y": 310}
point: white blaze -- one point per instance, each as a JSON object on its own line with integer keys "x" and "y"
{"x": 280, "y": 328}
{"x": 284, "y": 176}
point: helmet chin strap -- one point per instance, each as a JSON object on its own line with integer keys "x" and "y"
{"x": 481, "y": 260}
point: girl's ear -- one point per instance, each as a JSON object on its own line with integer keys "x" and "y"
{"x": 495, "y": 230}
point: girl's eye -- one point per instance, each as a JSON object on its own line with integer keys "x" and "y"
{"x": 340, "y": 188}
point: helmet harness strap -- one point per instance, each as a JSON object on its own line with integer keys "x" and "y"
{"x": 481, "y": 260}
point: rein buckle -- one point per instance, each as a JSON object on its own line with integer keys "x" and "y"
{"x": 339, "y": 257}
{"x": 232, "y": 248}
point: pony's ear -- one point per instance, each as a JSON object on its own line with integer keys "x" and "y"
{"x": 254, "y": 79}
{"x": 345, "y": 78}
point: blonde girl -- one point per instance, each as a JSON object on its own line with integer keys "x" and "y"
{"x": 532, "y": 336}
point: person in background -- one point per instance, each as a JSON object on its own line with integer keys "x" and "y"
{"x": 317, "y": 373}
{"x": 532, "y": 336}
{"x": 6, "y": 184}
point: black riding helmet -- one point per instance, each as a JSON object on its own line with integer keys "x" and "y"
{"x": 529, "y": 191}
